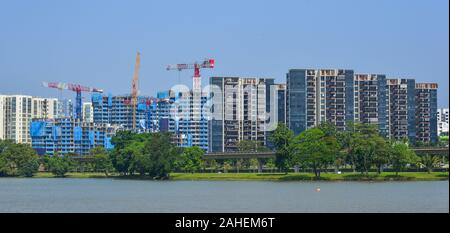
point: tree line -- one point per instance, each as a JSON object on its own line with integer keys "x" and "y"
{"x": 360, "y": 147}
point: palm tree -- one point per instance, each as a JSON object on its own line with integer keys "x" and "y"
{"x": 429, "y": 162}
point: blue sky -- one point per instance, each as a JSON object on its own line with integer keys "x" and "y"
{"x": 94, "y": 42}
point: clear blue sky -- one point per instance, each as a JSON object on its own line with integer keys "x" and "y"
{"x": 94, "y": 42}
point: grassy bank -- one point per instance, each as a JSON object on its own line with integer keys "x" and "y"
{"x": 385, "y": 176}
{"x": 74, "y": 175}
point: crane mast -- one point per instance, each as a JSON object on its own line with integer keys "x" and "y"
{"x": 196, "y": 90}
{"x": 135, "y": 86}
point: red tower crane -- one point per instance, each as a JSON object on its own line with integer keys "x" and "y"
{"x": 207, "y": 63}
{"x": 73, "y": 87}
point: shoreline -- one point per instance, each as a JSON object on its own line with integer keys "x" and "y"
{"x": 328, "y": 177}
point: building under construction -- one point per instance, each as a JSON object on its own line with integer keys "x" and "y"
{"x": 180, "y": 114}
{"x": 65, "y": 135}
{"x": 119, "y": 110}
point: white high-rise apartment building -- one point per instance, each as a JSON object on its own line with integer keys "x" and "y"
{"x": 65, "y": 108}
{"x": 18, "y": 115}
{"x": 442, "y": 119}
{"x": 2, "y": 116}
{"x": 88, "y": 112}
{"x": 45, "y": 108}
{"x": 17, "y": 112}
{"x": 238, "y": 112}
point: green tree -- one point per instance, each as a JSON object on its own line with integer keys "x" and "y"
{"x": 346, "y": 140}
{"x": 251, "y": 146}
{"x": 401, "y": 155}
{"x": 122, "y": 159}
{"x": 339, "y": 160}
{"x": 429, "y": 162}
{"x": 281, "y": 138}
{"x": 127, "y": 155}
{"x": 226, "y": 166}
{"x": 138, "y": 161}
{"x": 59, "y": 165}
{"x": 122, "y": 138}
{"x": 363, "y": 152}
{"x": 364, "y": 147}
{"x": 212, "y": 163}
{"x": 102, "y": 161}
{"x": 314, "y": 149}
{"x": 162, "y": 155}
{"x": 17, "y": 159}
{"x": 29, "y": 166}
{"x": 381, "y": 152}
{"x": 253, "y": 163}
{"x": 191, "y": 159}
{"x": 330, "y": 130}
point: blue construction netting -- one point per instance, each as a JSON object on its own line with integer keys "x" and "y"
{"x": 110, "y": 102}
{"x": 177, "y": 122}
{"x": 91, "y": 135}
{"x": 162, "y": 95}
{"x": 107, "y": 143}
{"x": 56, "y": 132}
{"x": 37, "y": 128}
{"x": 77, "y": 133}
{"x": 154, "y": 106}
{"x": 97, "y": 98}
{"x": 142, "y": 124}
{"x": 189, "y": 139}
{"x": 141, "y": 107}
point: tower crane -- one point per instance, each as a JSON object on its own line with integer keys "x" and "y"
{"x": 76, "y": 88}
{"x": 135, "y": 87}
{"x": 196, "y": 87}
{"x": 207, "y": 63}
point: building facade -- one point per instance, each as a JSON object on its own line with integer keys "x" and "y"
{"x": 18, "y": 112}
{"x": 45, "y": 107}
{"x": 238, "y": 112}
{"x": 188, "y": 118}
{"x": 401, "y": 111}
{"x": 118, "y": 110}
{"x": 426, "y": 112}
{"x": 65, "y": 108}
{"x": 315, "y": 96}
{"x": 399, "y": 107}
{"x": 2, "y": 117}
{"x": 280, "y": 90}
{"x": 442, "y": 118}
{"x": 371, "y": 100}
{"x": 88, "y": 112}
{"x": 68, "y": 135}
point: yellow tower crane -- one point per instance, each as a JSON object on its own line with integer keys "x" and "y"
{"x": 135, "y": 87}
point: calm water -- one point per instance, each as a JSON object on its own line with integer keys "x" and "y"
{"x": 114, "y": 195}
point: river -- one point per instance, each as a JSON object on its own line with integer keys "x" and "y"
{"x": 119, "y": 195}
